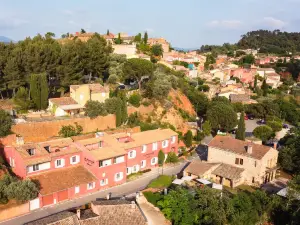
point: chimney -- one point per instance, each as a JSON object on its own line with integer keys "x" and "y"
{"x": 108, "y": 196}
{"x": 133, "y": 205}
{"x": 249, "y": 148}
{"x": 19, "y": 140}
{"x": 78, "y": 213}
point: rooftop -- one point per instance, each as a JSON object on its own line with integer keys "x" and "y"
{"x": 63, "y": 101}
{"x": 95, "y": 88}
{"x": 228, "y": 171}
{"x": 239, "y": 98}
{"x": 228, "y": 143}
{"x": 62, "y": 218}
{"x": 199, "y": 168}
{"x": 64, "y": 178}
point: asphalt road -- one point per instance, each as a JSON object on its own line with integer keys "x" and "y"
{"x": 118, "y": 191}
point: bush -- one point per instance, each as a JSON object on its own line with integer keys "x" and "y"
{"x": 188, "y": 139}
{"x": 148, "y": 126}
{"x": 94, "y": 109}
{"x": 112, "y": 104}
{"x": 153, "y": 198}
{"x": 6, "y": 123}
{"x": 133, "y": 120}
{"x": 172, "y": 158}
{"x": 135, "y": 99}
{"x": 263, "y": 132}
{"x": 69, "y": 130}
{"x": 276, "y": 126}
{"x": 146, "y": 103}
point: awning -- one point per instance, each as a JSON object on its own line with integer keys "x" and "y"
{"x": 217, "y": 186}
{"x": 203, "y": 181}
{"x": 282, "y": 192}
{"x": 187, "y": 178}
{"x": 178, "y": 181}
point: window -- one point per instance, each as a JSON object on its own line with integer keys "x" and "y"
{"x": 239, "y": 161}
{"x": 119, "y": 159}
{"x": 91, "y": 186}
{"x": 103, "y": 163}
{"x": 74, "y": 159}
{"x": 59, "y": 163}
{"x": 100, "y": 144}
{"x": 154, "y": 146}
{"x": 47, "y": 148}
{"x": 128, "y": 170}
{"x": 144, "y": 148}
{"x": 35, "y": 167}
{"x": 118, "y": 176}
{"x": 135, "y": 168}
{"x": 173, "y": 139}
{"x": 11, "y": 162}
{"x": 165, "y": 143}
{"x": 77, "y": 189}
{"x": 143, "y": 163}
{"x": 100, "y": 163}
{"x": 103, "y": 182}
{"x": 131, "y": 154}
{"x": 31, "y": 151}
{"x": 154, "y": 161}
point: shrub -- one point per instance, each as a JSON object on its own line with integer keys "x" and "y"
{"x": 148, "y": 126}
{"x": 6, "y": 123}
{"x": 94, "y": 109}
{"x": 69, "y": 130}
{"x": 133, "y": 119}
{"x": 188, "y": 139}
{"x": 112, "y": 104}
{"x": 276, "y": 126}
{"x": 263, "y": 132}
{"x": 146, "y": 103}
{"x": 172, "y": 158}
{"x": 153, "y": 198}
{"x": 135, "y": 99}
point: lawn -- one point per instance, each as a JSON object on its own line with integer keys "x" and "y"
{"x": 162, "y": 181}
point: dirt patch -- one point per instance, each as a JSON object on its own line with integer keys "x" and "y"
{"x": 182, "y": 102}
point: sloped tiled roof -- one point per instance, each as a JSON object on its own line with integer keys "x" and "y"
{"x": 228, "y": 143}
{"x": 199, "y": 168}
{"x": 63, "y": 101}
{"x": 62, "y": 218}
{"x": 64, "y": 178}
{"x": 228, "y": 171}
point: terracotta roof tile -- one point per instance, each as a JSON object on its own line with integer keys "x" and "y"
{"x": 64, "y": 178}
{"x": 199, "y": 168}
{"x": 228, "y": 143}
{"x": 63, "y": 101}
{"x": 62, "y": 218}
{"x": 228, "y": 171}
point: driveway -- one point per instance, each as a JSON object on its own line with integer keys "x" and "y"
{"x": 250, "y": 126}
{"x": 117, "y": 191}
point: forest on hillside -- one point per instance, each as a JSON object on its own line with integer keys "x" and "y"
{"x": 271, "y": 42}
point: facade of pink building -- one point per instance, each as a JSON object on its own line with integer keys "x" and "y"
{"x": 67, "y": 168}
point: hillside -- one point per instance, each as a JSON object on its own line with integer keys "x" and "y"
{"x": 5, "y": 39}
{"x": 274, "y": 42}
{"x": 271, "y": 41}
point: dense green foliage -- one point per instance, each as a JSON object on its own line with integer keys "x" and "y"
{"x": 172, "y": 158}
{"x": 12, "y": 188}
{"x": 69, "y": 130}
{"x": 163, "y": 181}
{"x": 94, "y": 109}
{"x": 263, "y": 132}
{"x": 161, "y": 158}
{"x": 188, "y": 138}
{"x": 39, "y": 90}
{"x": 240, "y": 132}
{"x": 135, "y": 99}
{"x": 6, "y": 123}
{"x": 22, "y": 100}
{"x": 206, "y": 206}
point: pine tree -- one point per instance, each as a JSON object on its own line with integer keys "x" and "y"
{"x": 44, "y": 90}
{"x": 240, "y": 133}
{"x": 145, "y": 38}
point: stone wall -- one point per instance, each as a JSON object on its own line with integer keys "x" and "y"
{"x": 42, "y": 131}
{"x": 13, "y": 210}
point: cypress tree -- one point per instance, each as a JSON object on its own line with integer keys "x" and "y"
{"x": 44, "y": 90}
{"x": 188, "y": 139}
{"x": 240, "y": 133}
{"x": 107, "y": 33}
{"x": 146, "y": 38}
{"x": 264, "y": 88}
{"x": 35, "y": 90}
{"x": 118, "y": 116}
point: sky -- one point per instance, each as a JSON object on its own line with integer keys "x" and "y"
{"x": 184, "y": 23}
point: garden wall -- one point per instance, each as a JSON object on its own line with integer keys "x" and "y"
{"x": 42, "y": 131}
{"x": 11, "y": 210}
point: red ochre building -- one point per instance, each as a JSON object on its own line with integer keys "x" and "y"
{"x": 71, "y": 167}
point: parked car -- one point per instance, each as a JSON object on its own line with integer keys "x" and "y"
{"x": 250, "y": 117}
{"x": 246, "y": 117}
{"x": 285, "y": 126}
{"x": 261, "y": 122}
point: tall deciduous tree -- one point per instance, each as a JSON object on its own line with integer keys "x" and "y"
{"x": 6, "y": 123}
{"x": 240, "y": 133}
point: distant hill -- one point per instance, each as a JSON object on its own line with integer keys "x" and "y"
{"x": 271, "y": 41}
{"x": 5, "y": 39}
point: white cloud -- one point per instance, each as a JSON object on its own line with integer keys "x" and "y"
{"x": 228, "y": 24}
{"x": 149, "y": 30}
{"x": 273, "y": 23}
{"x": 11, "y": 22}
